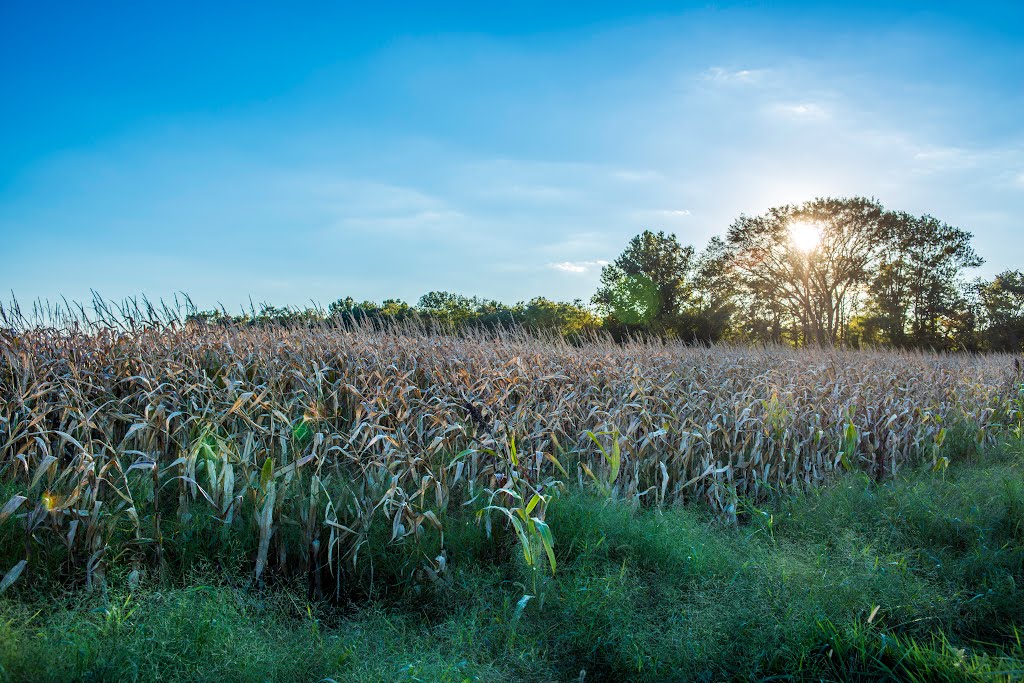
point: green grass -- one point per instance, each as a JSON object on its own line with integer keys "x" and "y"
{"x": 919, "y": 578}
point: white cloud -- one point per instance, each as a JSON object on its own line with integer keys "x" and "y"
{"x": 358, "y": 206}
{"x": 925, "y": 157}
{"x": 659, "y": 215}
{"x": 577, "y": 267}
{"x": 590, "y": 242}
{"x": 718, "y": 74}
{"x": 355, "y": 193}
{"x": 528, "y": 193}
{"x": 637, "y": 176}
{"x": 933, "y": 158}
{"x": 801, "y": 111}
{"x": 419, "y": 221}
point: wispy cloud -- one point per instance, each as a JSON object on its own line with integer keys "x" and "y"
{"x": 718, "y": 74}
{"x": 361, "y": 197}
{"x": 637, "y": 176}
{"x": 800, "y": 111}
{"x": 654, "y": 217}
{"x": 583, "y": 243}
{"x": 528, "y": 193}
{"x": 577, "y": 267}
{"x": 366, "y": 207}
{"x": 925, "y": 157}
{"x": 934, "y": 158}
{"x": 420, "y": 221}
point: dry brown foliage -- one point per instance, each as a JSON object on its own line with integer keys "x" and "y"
{"x": 308, "y": 436}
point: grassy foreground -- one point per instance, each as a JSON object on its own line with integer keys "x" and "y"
{"x": 918, "y": 578}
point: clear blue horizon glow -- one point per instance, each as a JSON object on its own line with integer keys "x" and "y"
{"x": 253, "y": 152}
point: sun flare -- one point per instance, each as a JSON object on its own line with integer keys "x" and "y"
{"x": 805, "y": 235}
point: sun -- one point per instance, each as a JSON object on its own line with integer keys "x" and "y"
{"x": 805, "y": 235}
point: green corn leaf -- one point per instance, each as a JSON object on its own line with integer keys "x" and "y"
{"x": 553, "y": 459}
{"x": 524, "y": 540}
{"x": 547, "y": 539}
{"x": 267, "y": 473}
{"x": 593, "y": 437}
{"x": 533, "y": 503}
{"x": 616, "y": 459}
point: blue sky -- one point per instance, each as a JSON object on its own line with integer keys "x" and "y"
{"x": 289, "y": 154}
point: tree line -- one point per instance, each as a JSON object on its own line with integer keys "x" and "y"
{"x": 831, "y": 271}
{"x": 443, "y": 310}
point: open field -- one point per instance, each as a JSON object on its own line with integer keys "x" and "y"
{"x": 501, "y": 507}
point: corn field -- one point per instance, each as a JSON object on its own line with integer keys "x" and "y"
{"x": 312, "y": 440}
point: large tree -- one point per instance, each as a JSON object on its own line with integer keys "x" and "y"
{"x": 648, "y": 286}
{"x": 801, "y": 270}
{"x": 449, "y": 308}
{"x": 1002, "y": 301}
{"x": 917, "y": 297}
